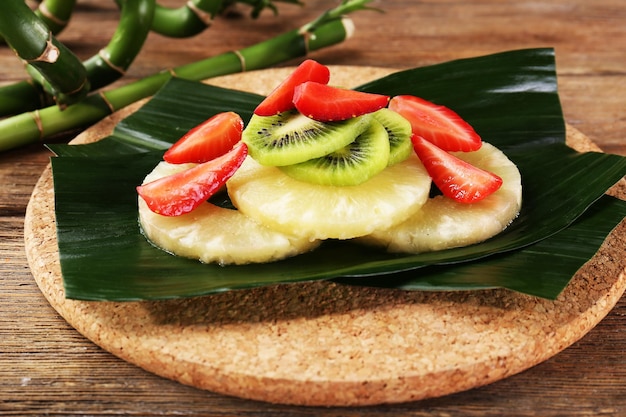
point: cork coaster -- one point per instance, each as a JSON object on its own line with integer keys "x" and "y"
{"x": 325, "y": 344}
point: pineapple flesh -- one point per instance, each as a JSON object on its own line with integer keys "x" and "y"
{"x": 315, "y": 211}
{"x": 443, "y": 223}
{"x": 214, "y": 234}
{"x": 278, "y": 216}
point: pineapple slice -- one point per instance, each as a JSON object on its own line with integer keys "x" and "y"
{"x": 315, "y": 211}
{"x": 443, "y": 223}
{"x": 214, "y": 234}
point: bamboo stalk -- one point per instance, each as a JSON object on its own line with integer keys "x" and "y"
{"x": 112, "y": 61}
{"x": 35, "y": 126}
{"x": 185, "y": 21}
{"x": 130, "y": 35}
{"x": 55, "y": 14}
{"x": 23, "y": 96}
{"x": 49, "y": 60}
{"x": 107, "y": 66}
{"x": 259, "y": 5}
{"x": 197, "y": 15}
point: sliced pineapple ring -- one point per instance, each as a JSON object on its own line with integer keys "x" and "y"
{"x": 214, "y": 234}
{"x": 443, "y": 223}
{"x": 315, "y": 211}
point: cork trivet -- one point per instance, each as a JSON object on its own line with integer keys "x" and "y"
{"x": 325, "y": 344}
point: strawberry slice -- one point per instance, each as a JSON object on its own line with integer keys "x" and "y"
{"x": 281, "y": 99}
{"x": 181, "y": 193}
{"x": 437, "y": 124}
{"x": 325, "y": 103}
{"x": 210, "y": 139}
{"x": 454, "y": 177}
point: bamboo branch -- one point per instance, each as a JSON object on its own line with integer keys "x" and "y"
{"x": 188, "y": 20}
{"x": 48, "y": 59}
{"x": 41, "y": 124}
{"x": 55, "y": 14}
{"x": 107, "y": 66}
{"x": 130, "y": 35}
{"x": 197, "y": 15}
{"x": 259, "y": 5}
{"x": 112, "y": 61}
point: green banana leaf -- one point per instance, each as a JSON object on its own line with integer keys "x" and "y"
{"x": 510, "y": 98}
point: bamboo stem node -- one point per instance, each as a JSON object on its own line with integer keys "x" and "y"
{"x": 37, "y": 118}
{"x": 50, "y": 54}
{"x": 43, "y": 9}
{"x": 106, "y": 101}
{"x": 106, "y": 58}
{"x": 242, "y": 60}
{"x": 203, "y": 16}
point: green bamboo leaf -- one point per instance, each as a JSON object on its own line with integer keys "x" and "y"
{"x": 512, "y": 100}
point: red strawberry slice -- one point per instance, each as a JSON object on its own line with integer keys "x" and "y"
{"x": 181, "y": 193}
{"x": 437, "y": 124}
{"x": 281, "y": 99}
{"x": 325, "y": 103}
{"x": 454, "y": 177}
{"x": 210, "y": 139}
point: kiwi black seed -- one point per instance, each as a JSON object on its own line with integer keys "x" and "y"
{"x": 353, "y": 164}
{"x": 290, "y": 137}
{"x": 399, "y": 130}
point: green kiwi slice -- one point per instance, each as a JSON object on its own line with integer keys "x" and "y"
{"x": 290, "y": 137}
{"x": 399, "y": 130}
{"x": 353, "y": 164}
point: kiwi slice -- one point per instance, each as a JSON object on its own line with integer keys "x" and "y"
{"x": 353, "y": 164}
{"x": 290, "y": 137}
{"x": 399, "y": 131}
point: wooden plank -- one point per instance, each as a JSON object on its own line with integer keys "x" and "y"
{"x": 47, "y": 367}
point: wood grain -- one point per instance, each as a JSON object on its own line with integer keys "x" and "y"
{"x": 46, "y": 367}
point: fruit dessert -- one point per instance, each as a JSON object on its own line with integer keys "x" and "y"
{"x": 319, "y": 162}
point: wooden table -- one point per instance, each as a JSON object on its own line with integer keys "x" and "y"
{"x": 46, "y": 367}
